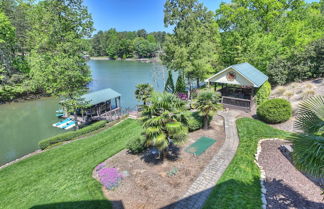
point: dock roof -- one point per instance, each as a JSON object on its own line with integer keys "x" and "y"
{"x": 102, "y": 95}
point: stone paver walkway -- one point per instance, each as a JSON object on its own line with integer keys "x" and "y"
{"x": 203, "y": 185}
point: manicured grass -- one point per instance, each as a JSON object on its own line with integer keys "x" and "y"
{"x": 239, "y": 187}
{"x": 62, "y": 177}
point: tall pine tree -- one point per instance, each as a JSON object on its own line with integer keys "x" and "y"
{"x": 180, "y": 84}
{"x": 169, "y": 85}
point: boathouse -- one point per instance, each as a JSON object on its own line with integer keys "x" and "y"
{"x": 102, "y": 102}
{"x": 101, "y": 105}
{"x": 238, "y": 85}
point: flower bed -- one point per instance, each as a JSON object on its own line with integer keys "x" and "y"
{"x": 109, "y": 177}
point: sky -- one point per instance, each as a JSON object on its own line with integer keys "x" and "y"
{"x": 131, "y": 15}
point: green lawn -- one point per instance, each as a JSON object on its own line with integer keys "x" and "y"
{"x": 61, "y": 177}
{"x": 239, "y": 187}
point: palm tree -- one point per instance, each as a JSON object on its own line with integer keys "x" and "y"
{"x": 143, "y": 92}
{"x": 207, "y": 105}
{"x": 164, "y": 121}
{"x": 308, "y": 154}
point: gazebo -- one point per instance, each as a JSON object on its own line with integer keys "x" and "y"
{"x": 238, "y": 84}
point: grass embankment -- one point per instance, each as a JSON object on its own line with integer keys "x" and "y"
{"x": 239, "y": 186}
{"x": 62, "y": 177}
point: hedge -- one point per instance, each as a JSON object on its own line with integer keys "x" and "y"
{"x": 275, "y": 111}
{"x": 136, "y": 145}
{"x": 43, "y": 144}
{"x": 263, "y": 93}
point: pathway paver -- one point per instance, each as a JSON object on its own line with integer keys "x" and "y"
{"x": 199, "y": 191}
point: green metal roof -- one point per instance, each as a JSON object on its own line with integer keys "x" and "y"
{"x": 248, "y": 71}
{"x": 102, "y": 95}
{"x": 251, "y": 73}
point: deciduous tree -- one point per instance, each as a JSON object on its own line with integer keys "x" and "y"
{"x": 56, "y": 60}
{"x": 193, "y": 48}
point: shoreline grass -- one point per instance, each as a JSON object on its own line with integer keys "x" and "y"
{"x": 64, "y": 174}
{"x": 239, "y": 186}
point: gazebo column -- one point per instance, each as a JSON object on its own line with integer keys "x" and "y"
{"x": 97, "y": 108}
{"x": 251, "y": 98}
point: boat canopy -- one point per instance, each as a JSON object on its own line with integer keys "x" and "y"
{"x": 100, "y": 96}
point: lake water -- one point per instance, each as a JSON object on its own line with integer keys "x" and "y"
{"x": 24, "y": 124}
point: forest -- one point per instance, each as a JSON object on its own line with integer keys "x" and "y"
{"x": 43, "y": 43}
{"x": 127, "y": 44}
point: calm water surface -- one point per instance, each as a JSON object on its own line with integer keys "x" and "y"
{"x": 24, "y": 124}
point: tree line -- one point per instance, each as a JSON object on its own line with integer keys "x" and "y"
{"x": 43, "y": 43}
{"x": 127, "y": 44}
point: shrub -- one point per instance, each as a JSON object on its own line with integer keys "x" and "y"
{"x": 43, "y": 144}
{"x": 195, "y": 121}
{"x": 263, "y": 93}
{"x": 275, "y": 111}
{"x": 136, "y": 145}
{"x": 300, "y": 66}
{"x": 278, "y": 71}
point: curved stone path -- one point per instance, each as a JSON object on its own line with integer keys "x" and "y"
{"x": 199, "y": 191}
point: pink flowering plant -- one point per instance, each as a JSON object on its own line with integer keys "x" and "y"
{"x": 182, "y": 96}
{"x": 109, "y": 177}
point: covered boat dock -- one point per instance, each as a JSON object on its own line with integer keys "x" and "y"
{"x": 100, "y": 105}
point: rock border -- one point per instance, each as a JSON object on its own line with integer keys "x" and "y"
{"x": 262, "y": 172}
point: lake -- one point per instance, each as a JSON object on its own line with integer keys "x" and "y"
{"x": 24, "y": 124}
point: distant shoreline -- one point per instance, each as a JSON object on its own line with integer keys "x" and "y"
{"x": 145, "y": 60}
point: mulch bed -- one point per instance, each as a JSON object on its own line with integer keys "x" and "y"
{"x": 286, "y": 186}
{"x": 156, "y": 184}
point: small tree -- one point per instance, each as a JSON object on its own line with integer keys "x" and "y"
{"x": 143, "y": 92}
{"x": 164, "y": 121}
{"x": 207, "y": 105}
{"x": 180, "y": 85}
{"x": 169, "y": 85}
